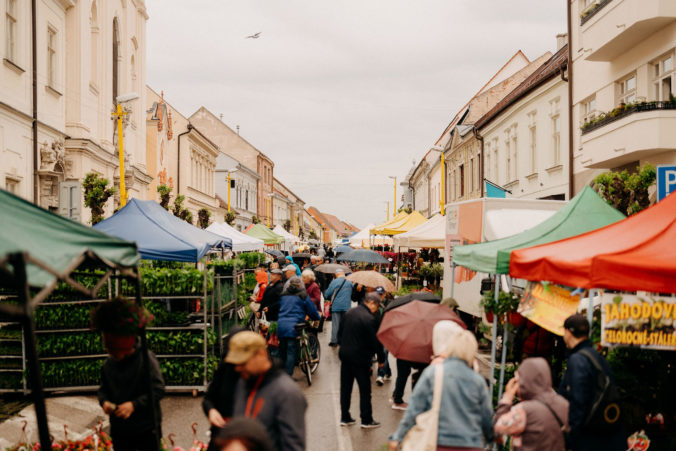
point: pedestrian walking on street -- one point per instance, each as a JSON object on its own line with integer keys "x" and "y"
{"x": 579, "y": 387}
{"x": 312, "y": 289}
{"x": 358, "y": 346}
{"x": 340, "y": 294}
{"x": 540, "y": 419}
{"x": 266, "y": 393}
{"x": 294, "y": 307}
{"x": 465, "y": 416}
{"x": 384, "y": 373}
{"x": 219, "y": 397}
{"x": 270, "y": 301}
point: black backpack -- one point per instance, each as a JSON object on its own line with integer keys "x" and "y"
{"x": 605, "y": 412}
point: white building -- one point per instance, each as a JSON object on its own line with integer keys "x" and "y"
{"x": 623, "y": 53}
{"x": 243, "y": 191}
{"x": 525, "y": 145}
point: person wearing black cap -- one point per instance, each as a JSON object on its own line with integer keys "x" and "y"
{"x": 578, "y": 386}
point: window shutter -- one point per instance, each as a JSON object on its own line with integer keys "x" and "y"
{"x": 64, "y": 196}
{"x": 70, "y": 205}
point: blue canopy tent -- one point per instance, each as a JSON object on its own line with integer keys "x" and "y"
{"x": 160, "y": 235}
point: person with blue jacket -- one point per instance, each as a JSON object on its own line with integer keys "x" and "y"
{"x": 289, "y": 261}
{"x": 341, "y": 290}
{"x": 294, "y": 306}
{"x": 465, "y": 415}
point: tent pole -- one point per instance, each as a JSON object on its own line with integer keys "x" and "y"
{"x": 495, "y": 336}
{"x": 452, "y": 279}
{"x": 590, "y": 308}
{"x": 504, "y": 355}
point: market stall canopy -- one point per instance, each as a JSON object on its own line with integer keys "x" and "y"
{"x": 397, "y": 220}
{"x": 56, "y": 242}
{"x": 585, "y": 212}
{"x": 637, "y": 253}
{"x": 263, "y": 233}
{"x": 159, "y": 234}
{"x": 240, "y": 241}
{"x": 363, "y": 238}
{"x": 412, "y": 221}
{"x": 431, "y": 233}
{"x": 291, "y": 238}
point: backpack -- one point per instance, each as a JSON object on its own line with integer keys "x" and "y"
{"x": 605, "y": 413}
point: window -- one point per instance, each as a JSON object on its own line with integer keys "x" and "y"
{"x": 556, "y": 139}
{"x": 12, "y": 185}
{"x": 116, "y": 61}
{"x": 51, "y": 57}
{"x": 626, "y": 89}
{"x": 487, "y": 161}
{"x": 462, "y": 180}
{"x": 93, "y": 44}
{"x": 496, "y": 174}
{"x": 10, "y": 29}
{"x": 246, "y": 200}
{"x": 471, "y": 175}
{"x": 588, "y": 109}
{"x": 508, "y": 154}
{"x": 532, "y": 142}
{"x": 663, "y": 71}
{"x": 515, "y": 149}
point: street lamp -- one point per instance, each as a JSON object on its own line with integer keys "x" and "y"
{"x": 120, "y": 115}
{"x": 268, "y": 201}
{"x": 394, "y": 206}
{"x": 230, "y": 171}
{"x": 442, "y": 188}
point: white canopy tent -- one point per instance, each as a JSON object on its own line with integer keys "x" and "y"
{"x": 363, "y": 238}
{"x": 289, "y": 240}
{"x": 240, "y": 241}
{"x": 431, "y": 233}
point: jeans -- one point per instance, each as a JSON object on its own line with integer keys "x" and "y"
{"x": 289, "y": 350}
{"x": 348, "y": 373}
{"x": 386, "y": 370}
{"x": 336, "y": 319}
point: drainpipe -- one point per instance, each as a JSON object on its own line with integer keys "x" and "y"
{"x": 34, "y": 45}
{"x": 480, "y": 138}
{"x": 571, "y": 188}
{"x": 178, "y": 168}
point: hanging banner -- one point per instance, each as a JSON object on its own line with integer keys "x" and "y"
{"x": 629, "y": 320}
{"x": 548, "y": 306}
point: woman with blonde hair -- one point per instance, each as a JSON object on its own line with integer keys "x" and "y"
{"x": 465, "y": 415}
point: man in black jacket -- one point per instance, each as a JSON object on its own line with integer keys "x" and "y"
{"x": 270, "y": 301}
{"x": 578, "y": 387}
{"x": 358, "y": 345}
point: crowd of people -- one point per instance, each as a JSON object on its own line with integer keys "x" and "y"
{"x": 253, "y": 403}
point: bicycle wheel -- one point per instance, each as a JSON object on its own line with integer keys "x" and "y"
{"x": 315, "y": 351}
{"x": 307, "y": 370}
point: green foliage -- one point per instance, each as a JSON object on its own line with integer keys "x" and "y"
{"x": 69, "y": 344}
{"x": 203, "y": 216}
{"x": 179, "y": 341}
{"x": 71, "y": 373}
{"x": 507, "y": 302}
{"x": 172, "y": 282}
{"x": 96, "y": 194}
{"x": 313, "y": 235}
{"x": 628, "y": 192}
{"x": 287, "y": 225}
{"x": 230, "y": 217}
{"x": 250, "y": 260}
{"x": 180, "y": 211}
{"x": 408, "y": 210}
{"x": 164, "y": 318}
{"x": 165, "y": 195}
{"x": 187, "y": 371}
{"x": 254, "y": 220}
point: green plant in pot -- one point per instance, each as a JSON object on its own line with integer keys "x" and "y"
{"x": 507, "y": 303}
{"x": 119, "y": 321}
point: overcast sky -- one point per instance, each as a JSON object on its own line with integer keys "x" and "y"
{"x": 340, "y": 94}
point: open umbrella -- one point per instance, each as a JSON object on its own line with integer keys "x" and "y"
{"x": 372, "y": 279}
{"x": 415, "y": 296}
{"x": 330, "y": 268}
{"x": 301, "y": 255}
{"x": 274, "y": 252}
{"x": 342, "y": 249}
{"x": 407, "y": 331}
{"x": 363, "y": 256}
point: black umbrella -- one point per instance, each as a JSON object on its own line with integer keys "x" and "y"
{"x": 301, "y": 255}
{"x": 415, "y": 296}
{"x": 363, "y": 256}
{"x": 274, "y": 252}
{"x": 342, "y": 249}
{"x": 330, "y": 268}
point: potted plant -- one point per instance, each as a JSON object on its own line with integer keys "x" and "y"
{"x": 119, "y": 321}
{"x": 488, "y": 305}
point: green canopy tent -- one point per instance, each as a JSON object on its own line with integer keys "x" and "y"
{"x": 586, "y": 211}
{"x": 37, "y": 250}
{"x": 263, "y": 233}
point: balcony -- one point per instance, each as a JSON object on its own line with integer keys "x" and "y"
{"x": 635, "y": 133}
{"x": 610, "y": 27}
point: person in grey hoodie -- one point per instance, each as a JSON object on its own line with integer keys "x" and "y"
{"x": 539, "y": 420}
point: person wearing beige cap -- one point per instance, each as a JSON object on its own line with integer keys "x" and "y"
{"x": 266, "y": 393}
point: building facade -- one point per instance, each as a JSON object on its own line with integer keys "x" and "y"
{"x": 294, "y": 204}
{"x": 243, "y": 189}
{"x": 623, "y": 73}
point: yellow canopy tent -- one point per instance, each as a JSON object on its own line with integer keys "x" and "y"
{"x": 413, "y": 220}
{"x": 396, "y": 221}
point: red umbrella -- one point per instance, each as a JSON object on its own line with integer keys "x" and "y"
{"x": 406, "y": 331}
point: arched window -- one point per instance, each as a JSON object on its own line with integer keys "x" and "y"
{"x": 93, "y": 44}
{"x": 116, "y": 60}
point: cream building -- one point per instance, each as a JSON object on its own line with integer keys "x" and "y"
{"x": 243, "y": 190}
{"x": 525, "y": 146}
{"x": 623, "y": 54}
{"x": 294, "y": 205}
{"x": 181, "y": 156}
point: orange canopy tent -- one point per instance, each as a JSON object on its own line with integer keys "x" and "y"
{"x": 637, "y": 253}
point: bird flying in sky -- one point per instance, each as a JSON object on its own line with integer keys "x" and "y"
{"x": 254, "y": 36}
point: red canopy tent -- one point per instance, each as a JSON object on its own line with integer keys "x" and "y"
{"x": 637, "y": 253}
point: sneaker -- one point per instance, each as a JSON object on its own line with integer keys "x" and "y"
{"x": 370, "y": 425}
{"x": 379, "y": 381}
{"x": 387, "y": 377}
{"x": 348, "y": 422}
{"x": 400, "y": 406}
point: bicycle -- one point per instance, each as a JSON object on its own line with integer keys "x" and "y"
{"x": 310, "y": 350}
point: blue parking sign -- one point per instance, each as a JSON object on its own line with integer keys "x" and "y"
{"x": 666, "y": 181}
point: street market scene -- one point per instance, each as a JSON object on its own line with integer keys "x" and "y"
{"x": 356, "y": 225}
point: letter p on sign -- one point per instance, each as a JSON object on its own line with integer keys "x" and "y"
{"x": 666, "y": 181}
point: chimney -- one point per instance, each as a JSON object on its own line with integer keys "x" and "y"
{"x": 561, "y": 40}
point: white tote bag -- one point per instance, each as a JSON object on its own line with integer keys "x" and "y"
{"x": 423, "y": 435}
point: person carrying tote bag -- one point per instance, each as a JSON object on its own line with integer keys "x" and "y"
{"x": 423, "y": 435}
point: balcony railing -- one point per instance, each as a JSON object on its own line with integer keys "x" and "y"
{"x": 623, "y": 111}
{"x": 592, "y": 9}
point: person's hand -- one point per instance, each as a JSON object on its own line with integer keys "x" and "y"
{"x": 511, "y": 389}
{"x": 216, "y": 419}
{"x": 265, "y": 309}
{"x": 393, "y": 445}
{"x": 124, "y": 410}
{"x": 108, "y": 407}
{"x": 258, "y": 314}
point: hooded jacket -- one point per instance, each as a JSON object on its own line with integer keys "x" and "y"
{"x": 294, "y": 305}
{"x": 540, "y": 430}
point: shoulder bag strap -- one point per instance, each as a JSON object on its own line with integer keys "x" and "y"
{"x": 590, "y": 355}
{"x": 333, "y": 296}
{"x": 438, "y": 387}
{"x": 558, "y": 420}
